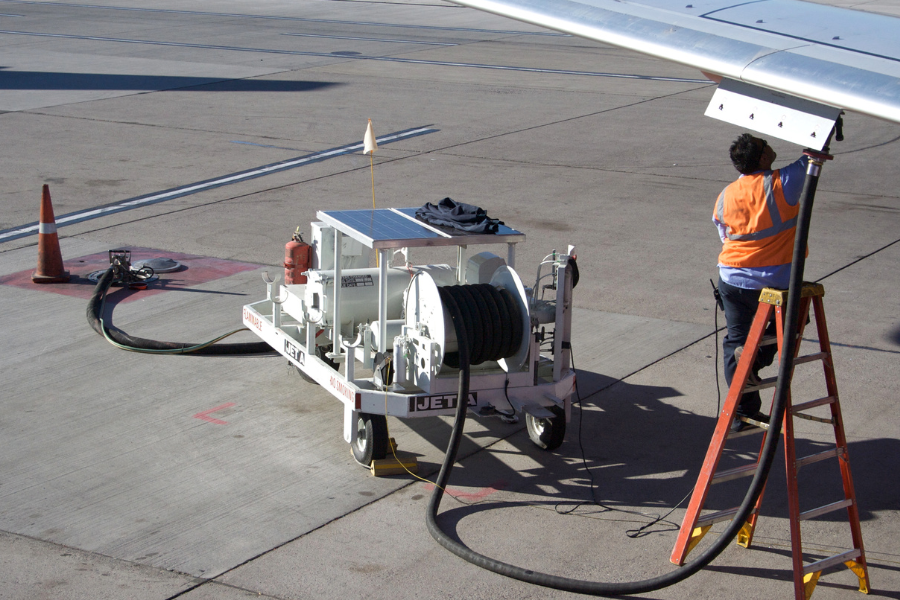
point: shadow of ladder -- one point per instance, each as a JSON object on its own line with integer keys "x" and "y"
{"x": 695, "y": 526}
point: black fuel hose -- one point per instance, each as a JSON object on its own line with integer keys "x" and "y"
{"x": 95, "y": 319}
{"x": 564, "y": 583}
{"x": 767, "y": 453}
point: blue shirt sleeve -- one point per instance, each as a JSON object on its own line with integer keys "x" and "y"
{"x": 792, "y": 177}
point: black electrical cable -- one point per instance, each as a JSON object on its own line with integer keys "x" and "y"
{"x": 767, "y": 453}
{"x": 720, "y": 305}
{"x": 632, "y": 533}
{"x": 95, "y": 316}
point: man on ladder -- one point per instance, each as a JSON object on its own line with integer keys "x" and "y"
{"x": 756, "y": 217}
{"x": 759, "y": 217}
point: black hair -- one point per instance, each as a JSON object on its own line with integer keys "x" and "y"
{"x": 745, "y": 154}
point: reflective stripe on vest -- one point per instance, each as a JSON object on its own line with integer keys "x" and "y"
{"x": 778, "y": 224}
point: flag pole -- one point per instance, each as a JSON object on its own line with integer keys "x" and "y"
{"x": 369, "y": 147}
{"x": 372, "y": 168}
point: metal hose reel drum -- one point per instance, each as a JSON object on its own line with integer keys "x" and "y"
{"x": 496, "y": 316}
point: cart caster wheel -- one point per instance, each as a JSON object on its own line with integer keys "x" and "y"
{"x": 547, "y": 433}
{"x": 371, "y": 438}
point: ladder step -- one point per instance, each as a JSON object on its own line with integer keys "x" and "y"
{"x": 812, "y": 404}
{"x": 813, "y": 458}
{"x": 733, "y": 435}
{"x": 810, "y": 357}
{"x": 821, "y": 565}
{"x": 722, "y": 515}
{"x": 768, "y": 382}
{"x": 826, "y": 509}
{"x": 816, "y": 419}
{"x": 735, "y": 473}
{"x": 764, "y": 425}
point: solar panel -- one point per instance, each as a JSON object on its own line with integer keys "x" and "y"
{"x": 399, "y": 228}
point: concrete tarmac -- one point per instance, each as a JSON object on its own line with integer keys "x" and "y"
{"x": 126, "y": 475}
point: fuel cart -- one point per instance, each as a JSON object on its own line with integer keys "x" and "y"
{"x": 381, "y": 340}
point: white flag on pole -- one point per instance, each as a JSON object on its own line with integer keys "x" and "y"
{"x": 369, "y": 143}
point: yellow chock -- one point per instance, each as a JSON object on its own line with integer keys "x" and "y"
{"x": 696, "y": 536}
{"x": 860, "y": 572}
{"x": 809, "y": 583}
{"x": 395, "y": 463}
{"x": 745, "y": 535}
{"x": 404, "y": 463}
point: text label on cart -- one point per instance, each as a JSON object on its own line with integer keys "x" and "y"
{"x": 294, "y": 352}
{"x": 440, "y": 402}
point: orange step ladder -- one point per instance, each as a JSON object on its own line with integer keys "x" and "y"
{"x": 695, "y": 526}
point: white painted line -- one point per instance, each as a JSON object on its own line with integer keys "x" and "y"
{"x": 93, "y": 213}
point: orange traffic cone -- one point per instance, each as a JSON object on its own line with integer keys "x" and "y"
{"x": 50, "y": 263}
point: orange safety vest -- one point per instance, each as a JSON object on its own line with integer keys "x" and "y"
{"x": 759, "y": 222}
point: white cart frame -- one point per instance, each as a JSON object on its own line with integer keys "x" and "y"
{"x": 542, "y": 388}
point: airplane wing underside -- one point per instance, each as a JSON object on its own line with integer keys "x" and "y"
{"x": 844, "y": 58}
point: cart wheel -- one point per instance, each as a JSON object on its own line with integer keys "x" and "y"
{"x": 547, "y": 433}
{"x": 302, "y": 374}
{"x": 371, "y": 438}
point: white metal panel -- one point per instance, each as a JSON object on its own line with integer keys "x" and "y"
{"x": 788, "y": 118}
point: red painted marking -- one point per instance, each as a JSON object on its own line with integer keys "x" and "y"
{"x": 205, "y": 414}
{"x": 200, "y": 269}
{"x": 479, "y": 495}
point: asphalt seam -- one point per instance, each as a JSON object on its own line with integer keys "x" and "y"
{"x": 860, "y": 259}
{"x": 95, "y": 553}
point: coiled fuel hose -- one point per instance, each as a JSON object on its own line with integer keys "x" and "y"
{"x": 492, "y": 320}
{"x": 122, "y": 340}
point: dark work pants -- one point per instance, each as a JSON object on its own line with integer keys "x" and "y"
{"x": 740, "y": 310}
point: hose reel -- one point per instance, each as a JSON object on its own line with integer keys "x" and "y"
{"x": 495, "y": 316}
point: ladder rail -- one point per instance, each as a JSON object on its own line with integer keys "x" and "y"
{"x": 683, "y": 543}
{"x": 841, "y": 439}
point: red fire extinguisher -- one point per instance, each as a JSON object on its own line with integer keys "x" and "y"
{"x": 296, "y": 259}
